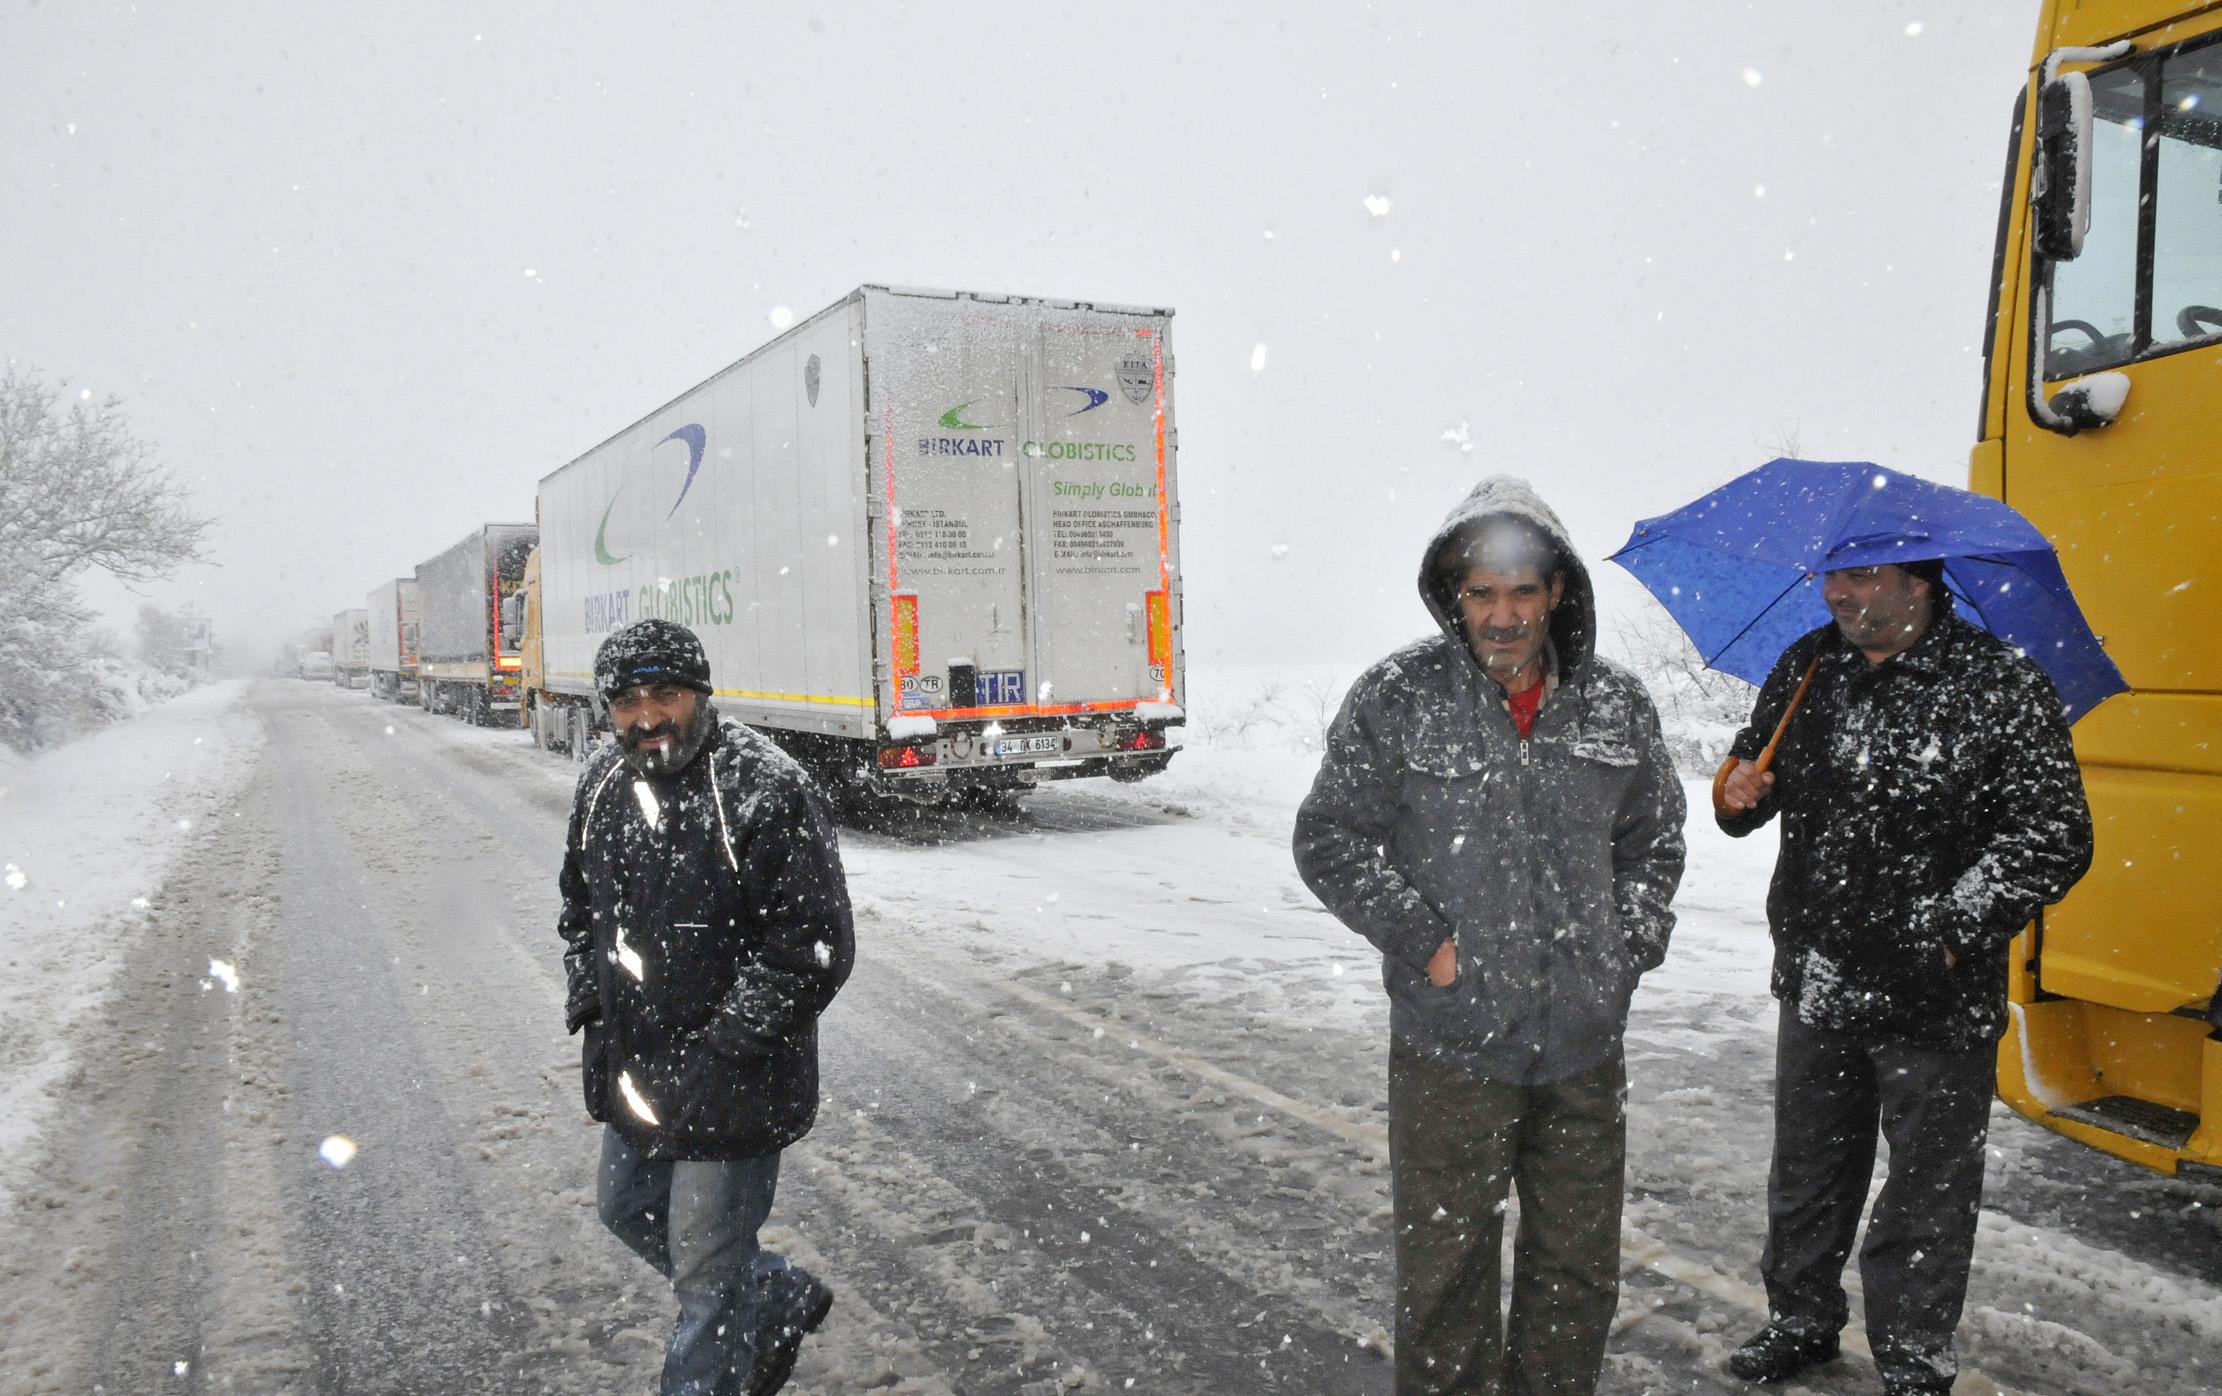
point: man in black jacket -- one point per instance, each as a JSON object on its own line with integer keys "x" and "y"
{"x": 1930, "y": 806}
{"x": 706, "y": 926}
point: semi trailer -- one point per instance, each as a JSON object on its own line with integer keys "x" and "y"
{"x": 469, "y": 621}
{"x": 393, "y": 639}
{"x": 929, "y": 539}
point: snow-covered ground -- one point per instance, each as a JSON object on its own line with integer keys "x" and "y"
{"x": 88, "y": 833}
{"x": 1103, "y": 1099}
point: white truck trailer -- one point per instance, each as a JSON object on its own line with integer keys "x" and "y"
{"x": 351, "y": 648}
{"x": 470, "y": 617}
{"x": 393, "y": 639}
{"x": 929, "y": 539}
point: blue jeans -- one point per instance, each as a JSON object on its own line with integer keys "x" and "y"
{"x": 696, "y": 1221}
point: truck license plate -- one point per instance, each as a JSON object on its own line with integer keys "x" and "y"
{"x": 1025, "y": 746}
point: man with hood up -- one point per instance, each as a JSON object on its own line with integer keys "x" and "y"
{"x": 1497, "y": 813}
{"x": 706, "y": 926}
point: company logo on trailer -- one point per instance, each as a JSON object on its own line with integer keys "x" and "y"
{"x": 810, "y": 373}
{"x": 954, "y": 420}
{"x": 696, "y": 439}
{"x": 1096, "y": 398}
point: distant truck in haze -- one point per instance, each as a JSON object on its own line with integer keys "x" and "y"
{"x": 929, "y": 539}
{"x": 393, "y": 639}
{"x": 316, "y": 639}
{"x": 470, "y": 617}
{"x": 351, "y": 648}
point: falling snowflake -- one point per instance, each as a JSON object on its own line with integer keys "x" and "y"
{"x": 337, "y": 1150}
{"x": 1379, "y": 205}
{"x": 1257, "y": 358}
{"x": 1461, "y": 436}
{"x": 781, "y": 317}
{"x": 224, "y": 973}
{"x": 15, "y": 879}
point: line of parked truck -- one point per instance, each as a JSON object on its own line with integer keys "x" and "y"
{"x": 930, "y": 541}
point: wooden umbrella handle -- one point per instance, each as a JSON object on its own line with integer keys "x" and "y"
{"x": 1767, "y": 756}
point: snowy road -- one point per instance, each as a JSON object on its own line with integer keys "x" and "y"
{"x": 1103, "y": 1113}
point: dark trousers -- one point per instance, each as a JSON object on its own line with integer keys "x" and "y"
{"x": 1832, "y": 1094}
{"x": 1455, "y": 1141}
{"x": 696, "y": 1223}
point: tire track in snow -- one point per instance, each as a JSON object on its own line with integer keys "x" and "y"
{"x": 1028, "y": 1216}
{"x": 1637, "y": 1247}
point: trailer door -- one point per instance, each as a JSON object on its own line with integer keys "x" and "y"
{"x": 945, "y": 394}
{"x": 1098, "y": 520}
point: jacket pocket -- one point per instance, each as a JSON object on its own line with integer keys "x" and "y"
{"x": 1604, "y": 748}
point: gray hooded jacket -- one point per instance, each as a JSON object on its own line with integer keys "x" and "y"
{"x": 1550, "y": 859}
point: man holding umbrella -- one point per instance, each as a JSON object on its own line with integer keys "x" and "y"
{"x": 1930, "y": 806}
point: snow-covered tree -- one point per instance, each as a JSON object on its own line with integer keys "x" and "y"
{"x": 1699, "y": 708}
{"x": 77, "y": 491}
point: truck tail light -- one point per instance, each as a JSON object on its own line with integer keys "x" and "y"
{"x": 905, "y": 758}
{"x": 1148, "y": 739}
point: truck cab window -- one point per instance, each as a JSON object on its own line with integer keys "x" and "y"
{"x": 2187, "y": 243}
{"x": 2094, "y": 297}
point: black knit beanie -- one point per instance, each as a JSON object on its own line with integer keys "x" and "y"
{"x": 650, "y": 652}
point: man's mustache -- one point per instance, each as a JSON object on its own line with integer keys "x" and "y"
{"x": 635, "y": 736}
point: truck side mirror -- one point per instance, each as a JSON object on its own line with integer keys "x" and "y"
{"x": 2060, "y": 176}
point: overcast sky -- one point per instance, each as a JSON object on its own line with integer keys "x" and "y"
{"x": 366, "y": 273}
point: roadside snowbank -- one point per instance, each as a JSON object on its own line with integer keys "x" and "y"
{"x": 87, "y": 833}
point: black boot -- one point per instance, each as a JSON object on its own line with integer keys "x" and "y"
{"x": 1781, "y": 1350}
{"x": 794, "y": 1305}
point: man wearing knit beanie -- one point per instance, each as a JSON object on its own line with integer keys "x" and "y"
{"x": 706, "y": 926}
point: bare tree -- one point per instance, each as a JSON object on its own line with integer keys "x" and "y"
{"x": 77, "y": 491}
{"x": 1244, "y": 718}
{"x": 1316, "y": 705}
{"x": 163, "y": 640}
{"x": 1700, "y": 708}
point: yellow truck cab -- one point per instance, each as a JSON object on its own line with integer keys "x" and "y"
{"x": 2102, "y": 422}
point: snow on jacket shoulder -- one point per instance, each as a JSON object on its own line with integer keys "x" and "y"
{"x": 1929, "y": 803}
{"x": 1549, "y": 860}
{"x": 706, "y": 917}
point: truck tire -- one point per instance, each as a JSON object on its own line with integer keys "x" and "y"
{"x": 1128, "y": 772}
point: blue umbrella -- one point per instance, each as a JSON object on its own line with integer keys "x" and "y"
{"x": 1740, "y": 568}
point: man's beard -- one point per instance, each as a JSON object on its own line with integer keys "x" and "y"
{"x": 687, "y": 739}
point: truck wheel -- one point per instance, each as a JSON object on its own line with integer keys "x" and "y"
{"x": 1128, "y": 772}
